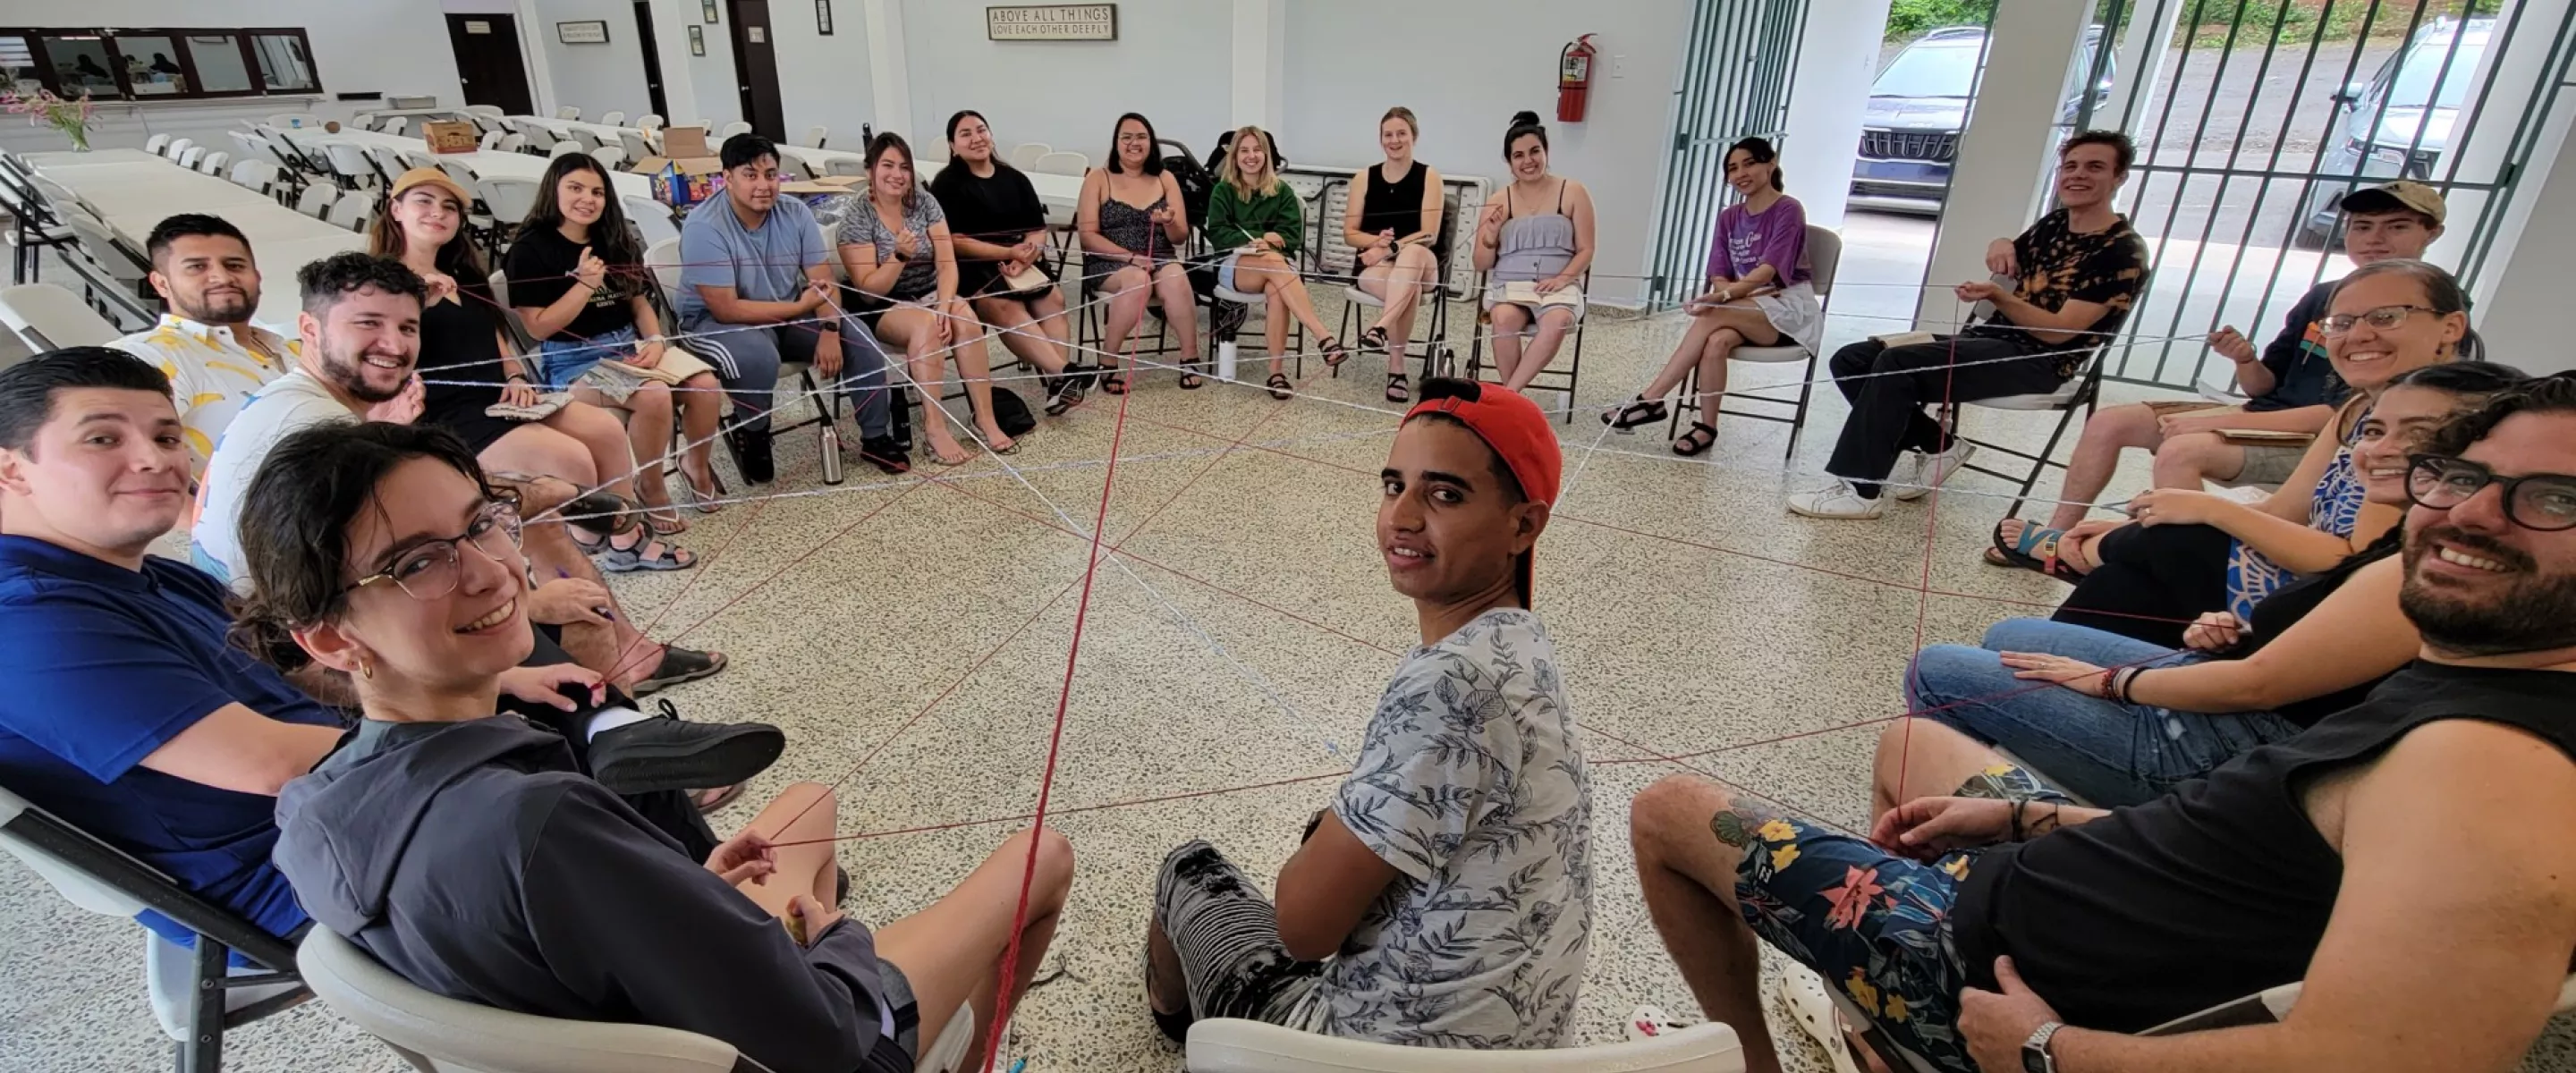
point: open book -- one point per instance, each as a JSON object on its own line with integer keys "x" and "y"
{"x": 676, "y": 365}
{"x": 1027, "y": 280}
{"x": 1525, "y": 293}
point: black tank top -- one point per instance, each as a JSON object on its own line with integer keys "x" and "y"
{"x": 2221, "y": 888}
{"x": 1395, "y": 206}
{"x": 2292, "y": 602}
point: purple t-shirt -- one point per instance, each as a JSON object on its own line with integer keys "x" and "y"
{"x": 1775, "y": 238}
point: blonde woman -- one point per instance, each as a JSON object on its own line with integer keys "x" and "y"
{"x": 1393, "y": 220}
{"x": 1260, "y": 219}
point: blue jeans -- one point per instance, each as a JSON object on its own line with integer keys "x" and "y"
{"x": 2107, "y": 752}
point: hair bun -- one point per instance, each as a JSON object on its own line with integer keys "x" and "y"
{"x": 1524, "y": 118}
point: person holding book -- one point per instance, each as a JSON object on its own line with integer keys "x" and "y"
{"x": 474, "y": 386}
{"x": 1393, "y": 221}
{"x": 457, "y": 845}
{"x": 2060, "y": 290}
{"x": 1759, "y": 293}
{"x": 1444, "y": 899}
{"x": 1534, "y": 245}
{"x": 1261, "y": 223}
{"x": 2290, "y": 386}
{"x": 1133, "y": 223}
{"x": 999, "y": 229}
{"x": 578, "y": 280}
{"x": 896, "y": 251}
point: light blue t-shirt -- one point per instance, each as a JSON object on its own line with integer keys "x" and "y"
{"x": 763, "y": 264}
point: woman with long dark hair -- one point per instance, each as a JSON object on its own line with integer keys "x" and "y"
{"x": 896, "y": 250}
{"x": 577, "y": 277}
{"x": 1133, "y": 224}
{"x": 460, "y": 847}
{"x": 999, "y": 228}
{"x": 1758, "y": 294}
{"x": 1534, "y": 244}
{"x": 467, "y": 369}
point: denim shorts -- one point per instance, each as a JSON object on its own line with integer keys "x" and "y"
{"x": 564, "y": 358}
{"x": 1225, "y": 271}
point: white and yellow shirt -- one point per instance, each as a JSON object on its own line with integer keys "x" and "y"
{"x": 213, "y": 371}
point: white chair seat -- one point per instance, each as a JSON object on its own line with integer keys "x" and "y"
{"x": 1769, "y": 354}
{"x": 1232, "y": 295}
{"x": 2055, "y": 400}
{"x": 1226, "y": 1045}
{"x": 1354, "y": 295}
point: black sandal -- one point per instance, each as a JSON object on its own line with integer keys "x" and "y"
{"x": 1697, "y": 440}
{"x": 1396, "y": 389}
{"x": 1334, "y": 352}
{"x": 1114, "y": 383}
{"x": 1637, "y": 411}
{"x": 1280, "y": 388}
{"x": 1373, "y": 339}
{"x": 1190, "y": 379}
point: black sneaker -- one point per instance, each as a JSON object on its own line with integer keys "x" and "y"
{"x": 751, "y": 455}
{"x": 1063, "y": 391}
{"x": 668, "y": 753}
{"x": 1227, "y": 319}
{"x": 888, "y": 456}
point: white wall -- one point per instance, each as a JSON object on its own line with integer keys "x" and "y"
{"x": 351, "y": 49}
{"x": 594, "y": 78}
{"x": 820, "y": 79}
{"x": 1837, "y": 61}
{"x": 2001, "y": 179}
{"x": 1464, "y": 69}
{"x": 2521, "y": 307}
{"x": 1171, "y": 62}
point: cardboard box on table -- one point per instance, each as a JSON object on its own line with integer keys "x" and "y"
{"x": 449, "y": 136}
{"x": 685, "y": 173}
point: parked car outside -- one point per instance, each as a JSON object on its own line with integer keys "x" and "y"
{"x": 1910, "y": 135}
{"x": 2397, "y": 124}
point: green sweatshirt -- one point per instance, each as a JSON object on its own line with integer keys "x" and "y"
{"x": 1233, "y": 222}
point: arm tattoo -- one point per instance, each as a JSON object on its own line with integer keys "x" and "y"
{"x": 1740, "y": 823}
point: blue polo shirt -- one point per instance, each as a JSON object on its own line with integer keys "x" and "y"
{"x": 102, "y": 666}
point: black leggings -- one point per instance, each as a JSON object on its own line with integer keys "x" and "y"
{"x": 2153, "y": 581}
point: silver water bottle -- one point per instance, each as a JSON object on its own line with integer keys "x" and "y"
{"x": 831, "y": 454}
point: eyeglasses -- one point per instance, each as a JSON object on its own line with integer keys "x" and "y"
{"x": 429, "y": 570}
{"x": 1132, "y": 136}
{"x": 2380, "y": 319}
{"x": 2545, "y": 502}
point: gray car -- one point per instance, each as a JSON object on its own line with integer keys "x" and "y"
{"x": 2395, "y": 125}
{"x": 1909, "y": 137}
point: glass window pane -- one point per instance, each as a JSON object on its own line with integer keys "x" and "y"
{"x": 152, "y": 66}
{"x": 219, "y": 63}
{"x": 282, "y": 65}
{"x": 18, "y": 64}
{"x": 81, "y": 65}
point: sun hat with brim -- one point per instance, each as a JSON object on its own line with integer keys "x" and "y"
{"x": 420, "y": 177}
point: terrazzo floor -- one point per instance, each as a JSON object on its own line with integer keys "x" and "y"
{"x": 911, "y": 638}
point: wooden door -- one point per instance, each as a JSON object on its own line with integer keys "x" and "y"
{"x": 652, "y": 58}
{"x": 755, "y": 65}
{"x": 488, "y": 63}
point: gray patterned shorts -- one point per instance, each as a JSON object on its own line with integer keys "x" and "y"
{"x": 1227, "y": 934}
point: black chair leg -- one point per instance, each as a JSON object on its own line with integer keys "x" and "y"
{"x": 203, "y": 1050}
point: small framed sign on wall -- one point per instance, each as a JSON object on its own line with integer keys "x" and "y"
{"x": 697, "y": 41}
{"x": 823, "y": 17}
{"x": 708, "y": 9}
{"x": 1052, "y": 22}
{"x": 591, "y": 32}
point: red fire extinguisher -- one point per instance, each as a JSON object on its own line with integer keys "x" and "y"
{"x": 1574, "y": 79}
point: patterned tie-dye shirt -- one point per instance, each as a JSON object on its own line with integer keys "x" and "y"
{"x": 213, "y": 369}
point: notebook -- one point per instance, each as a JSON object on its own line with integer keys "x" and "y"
{"x": 1525, "y": 293}
{"x": 676, "y": 365}
{"x": 543, "y": 408}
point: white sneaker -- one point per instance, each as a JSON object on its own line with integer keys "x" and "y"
{"x": 1803, "y": 992}
{"x": 1836, "y": 501}
{"x": 1933, "y": 470}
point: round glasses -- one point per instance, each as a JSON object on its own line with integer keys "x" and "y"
{"x": 431, "y": 569}
{"x": 2545, "y": 502}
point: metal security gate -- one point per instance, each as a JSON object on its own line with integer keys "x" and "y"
{"x": 2252, "y": 118}
{"x": 1736, "y": 75}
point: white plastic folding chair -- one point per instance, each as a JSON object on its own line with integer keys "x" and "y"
{"x": 353, "y": 212}
{"x": 189, "y": 157}
{"x": 1024, "y": 156}
{"x": 389, "y": 162}
{"x": 1061, "y": 162}
{"x": 814, "y": 135}
{"x": 176, "y": 147}
{"x": 613, "y": 119}
{"x": 564, "y": 148}
{"x": 396, "y": 125}
{"x": 510, "y": 198}
{"x": 792, "y": 167}
{"x": 634, "y": 144}
{"x": 154, "y": 143}
{"x": 652, "y": 219}
{"x": 257, "y": 175}
{"x": 513, "y": 142}
{"x": 568, "y": 113}
{"x": 213, "y": 163}
{"x": 487, "y": 111}
{"x": 1226, "y": 1045}
{"x": 492, "y": 140}
{"x": 842, "y": 165}
{"x": 733, "y": 128}
{"x": 316, "y": 200}
{"x": 195, "y": 995}
{"x": 46, "y": 317}
{"x": 609, "y": 156}
{"x": 350, "y": 165}
{"x": 648, "y": 122}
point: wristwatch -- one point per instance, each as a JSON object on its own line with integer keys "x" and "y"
{"x": 2034, "y": 1051}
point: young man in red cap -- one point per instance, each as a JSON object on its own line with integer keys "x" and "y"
{"x": 1445, "y": 897}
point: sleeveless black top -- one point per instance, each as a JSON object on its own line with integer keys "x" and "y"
{"x": 1395, "y": 206}
{"x": 2221, "y": 888}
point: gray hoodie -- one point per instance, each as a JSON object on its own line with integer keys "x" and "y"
{"x": 473, "y": 860}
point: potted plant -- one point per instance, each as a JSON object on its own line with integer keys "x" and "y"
{"x": 46, "y": 110}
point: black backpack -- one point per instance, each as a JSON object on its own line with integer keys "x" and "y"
{"x": 1011, "y": 413}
